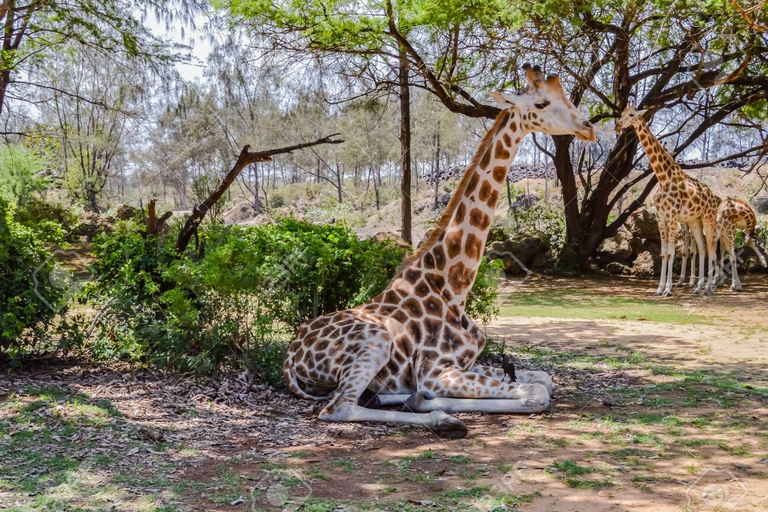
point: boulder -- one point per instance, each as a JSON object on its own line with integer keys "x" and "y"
{"x": 642, "y": 224}
{"x": 239, "y": 213}
{"x": 761, "y": 204}
{"x": 517, "y": 254}
{"x": 617, "y": 268}
{"x": 126, "y": 212}
{"x": 392, "y": 237}
{"x": 617, "y": 248}
{"x": 91, "y": 224}
{"x": 543, "y": 261}
{"x": 444, "y": 199}
{"x": 648, "y": 260}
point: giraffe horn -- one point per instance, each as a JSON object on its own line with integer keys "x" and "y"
{"x": 534, "y": 75}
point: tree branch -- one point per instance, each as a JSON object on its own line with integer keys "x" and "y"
{"x": 246, "y": 158}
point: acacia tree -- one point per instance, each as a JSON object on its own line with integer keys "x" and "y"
{"x": 32, "y": 31}
{"x": 700, "y": 67}
{"x": 93, "y": 121}
{"x": 371, "y": 57}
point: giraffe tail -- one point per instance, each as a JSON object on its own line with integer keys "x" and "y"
{"x": 290, "y": 378}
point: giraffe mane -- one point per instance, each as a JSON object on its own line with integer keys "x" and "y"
{"x": 450, "y": 208}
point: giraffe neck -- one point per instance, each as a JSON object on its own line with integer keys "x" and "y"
{"x": 659, "y": 159}
{"x": 450, "y": 257}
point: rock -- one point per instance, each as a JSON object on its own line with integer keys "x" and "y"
{"x": 524, "y": 201}
{"x": 126, "y": 212}
{"x": 91, "y": 224}
{"x": 648, "y": 260}
{"x": 617, "y": 268}
{"x": 543, "y": 261}
{"x": 751, "y": 263}
{"x": 391, "y": 237}
{"x": 761, "y": 204}
{"x": 617, "y": 248}
{"x": 642, "y": 224}
{"x": 444, "y": 199}
{"x": 241, "y": 212}
{"x": 517, "y": 254}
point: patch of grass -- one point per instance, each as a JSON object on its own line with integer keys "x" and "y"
{"x": 472, "y": 492}
{"x": 347, "y": 465}
{"x": 578, "y": 483}
{"x": 588, "y": 305}
{"x": 571, "y": 468}
{"x": 317, "y": 475}
{"x": 460, "y": 459}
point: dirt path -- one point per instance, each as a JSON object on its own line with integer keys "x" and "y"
{"x": 648, "y": 415}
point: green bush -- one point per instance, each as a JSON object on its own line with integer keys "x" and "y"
{"x": 52, "y": 220}
{"x": 20, "y": 170}
{"x": 544, "y": 220}
{"x": 24, "y": 317}
{"x": 241, "y": 302}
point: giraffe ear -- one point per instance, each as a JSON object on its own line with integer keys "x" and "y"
{"x": 503, "y": 100}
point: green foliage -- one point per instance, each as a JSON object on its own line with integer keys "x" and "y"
{"x": 481, "y": 301}
{"x": 24, "y": 317}
{"x": 19, "y": 174}
{"x": 53, "y": 221}
{"x": 544, "y": 220}
{"x": 241, "y": 302}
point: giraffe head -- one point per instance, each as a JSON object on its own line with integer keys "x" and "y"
{"x": 630, "y": 117}
{"x": 544, "y": 107}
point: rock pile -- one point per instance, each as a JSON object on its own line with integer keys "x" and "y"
{"x": 635, "y": 249}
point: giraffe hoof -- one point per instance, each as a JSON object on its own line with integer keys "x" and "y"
{"x": 667, "y": 294}
{"x": 448, "y": 427}
{"x": 657, "y": 293}
{"x": 737, "y": 289}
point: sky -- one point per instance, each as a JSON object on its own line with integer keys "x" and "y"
{"x": 195, "y": 38}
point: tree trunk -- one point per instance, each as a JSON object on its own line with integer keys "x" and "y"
{"x": 256, "y": 202}
{"x": 436, "y": 175}
{"x": 405, "y": 149}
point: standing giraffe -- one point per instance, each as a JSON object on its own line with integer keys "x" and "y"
{"x": 735, "y": 214}
{"x": 413, "y": 342}
{"x": 690, "y": 251}
{"x": 680, "y": 198}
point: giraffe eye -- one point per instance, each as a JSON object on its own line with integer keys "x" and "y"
{"x": 541, "y": 105}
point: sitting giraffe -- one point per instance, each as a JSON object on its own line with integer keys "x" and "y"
{"x": 735, "y": 214}
{"x": 414, "y": 340}
{"x": 680, "y": 198}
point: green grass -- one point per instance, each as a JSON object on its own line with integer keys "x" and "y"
{"x": 586, "y": 305}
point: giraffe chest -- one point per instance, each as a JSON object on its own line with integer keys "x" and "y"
{"x": 428, "y": 344}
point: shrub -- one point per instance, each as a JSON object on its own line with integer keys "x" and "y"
{"x": 241, "y": 302}
{"x": 52, "y": 220}
{"x": 544, "y": 220}
{"x": 20, "y": 170}
{"x": 24, "y": 317}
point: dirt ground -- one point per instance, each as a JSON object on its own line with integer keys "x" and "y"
{"x": 660, "y": 404}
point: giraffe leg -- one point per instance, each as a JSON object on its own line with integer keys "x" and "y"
{"x": 711, "y": 253}
{"x": 523, "y": 376}
{"x": 735, "y": 281}
{"x": 694, "y": 256}
{"x": 751, "y": 244}
{"x": 664, "y": 241}
{"x": 722, "y": 237}
{"x": 671, "y": 243}
{"x": 459, "y": 390}
{"x": 354, "y": 379}
{"x": 698, "y": 234}
{"x": 684, "y": 263}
